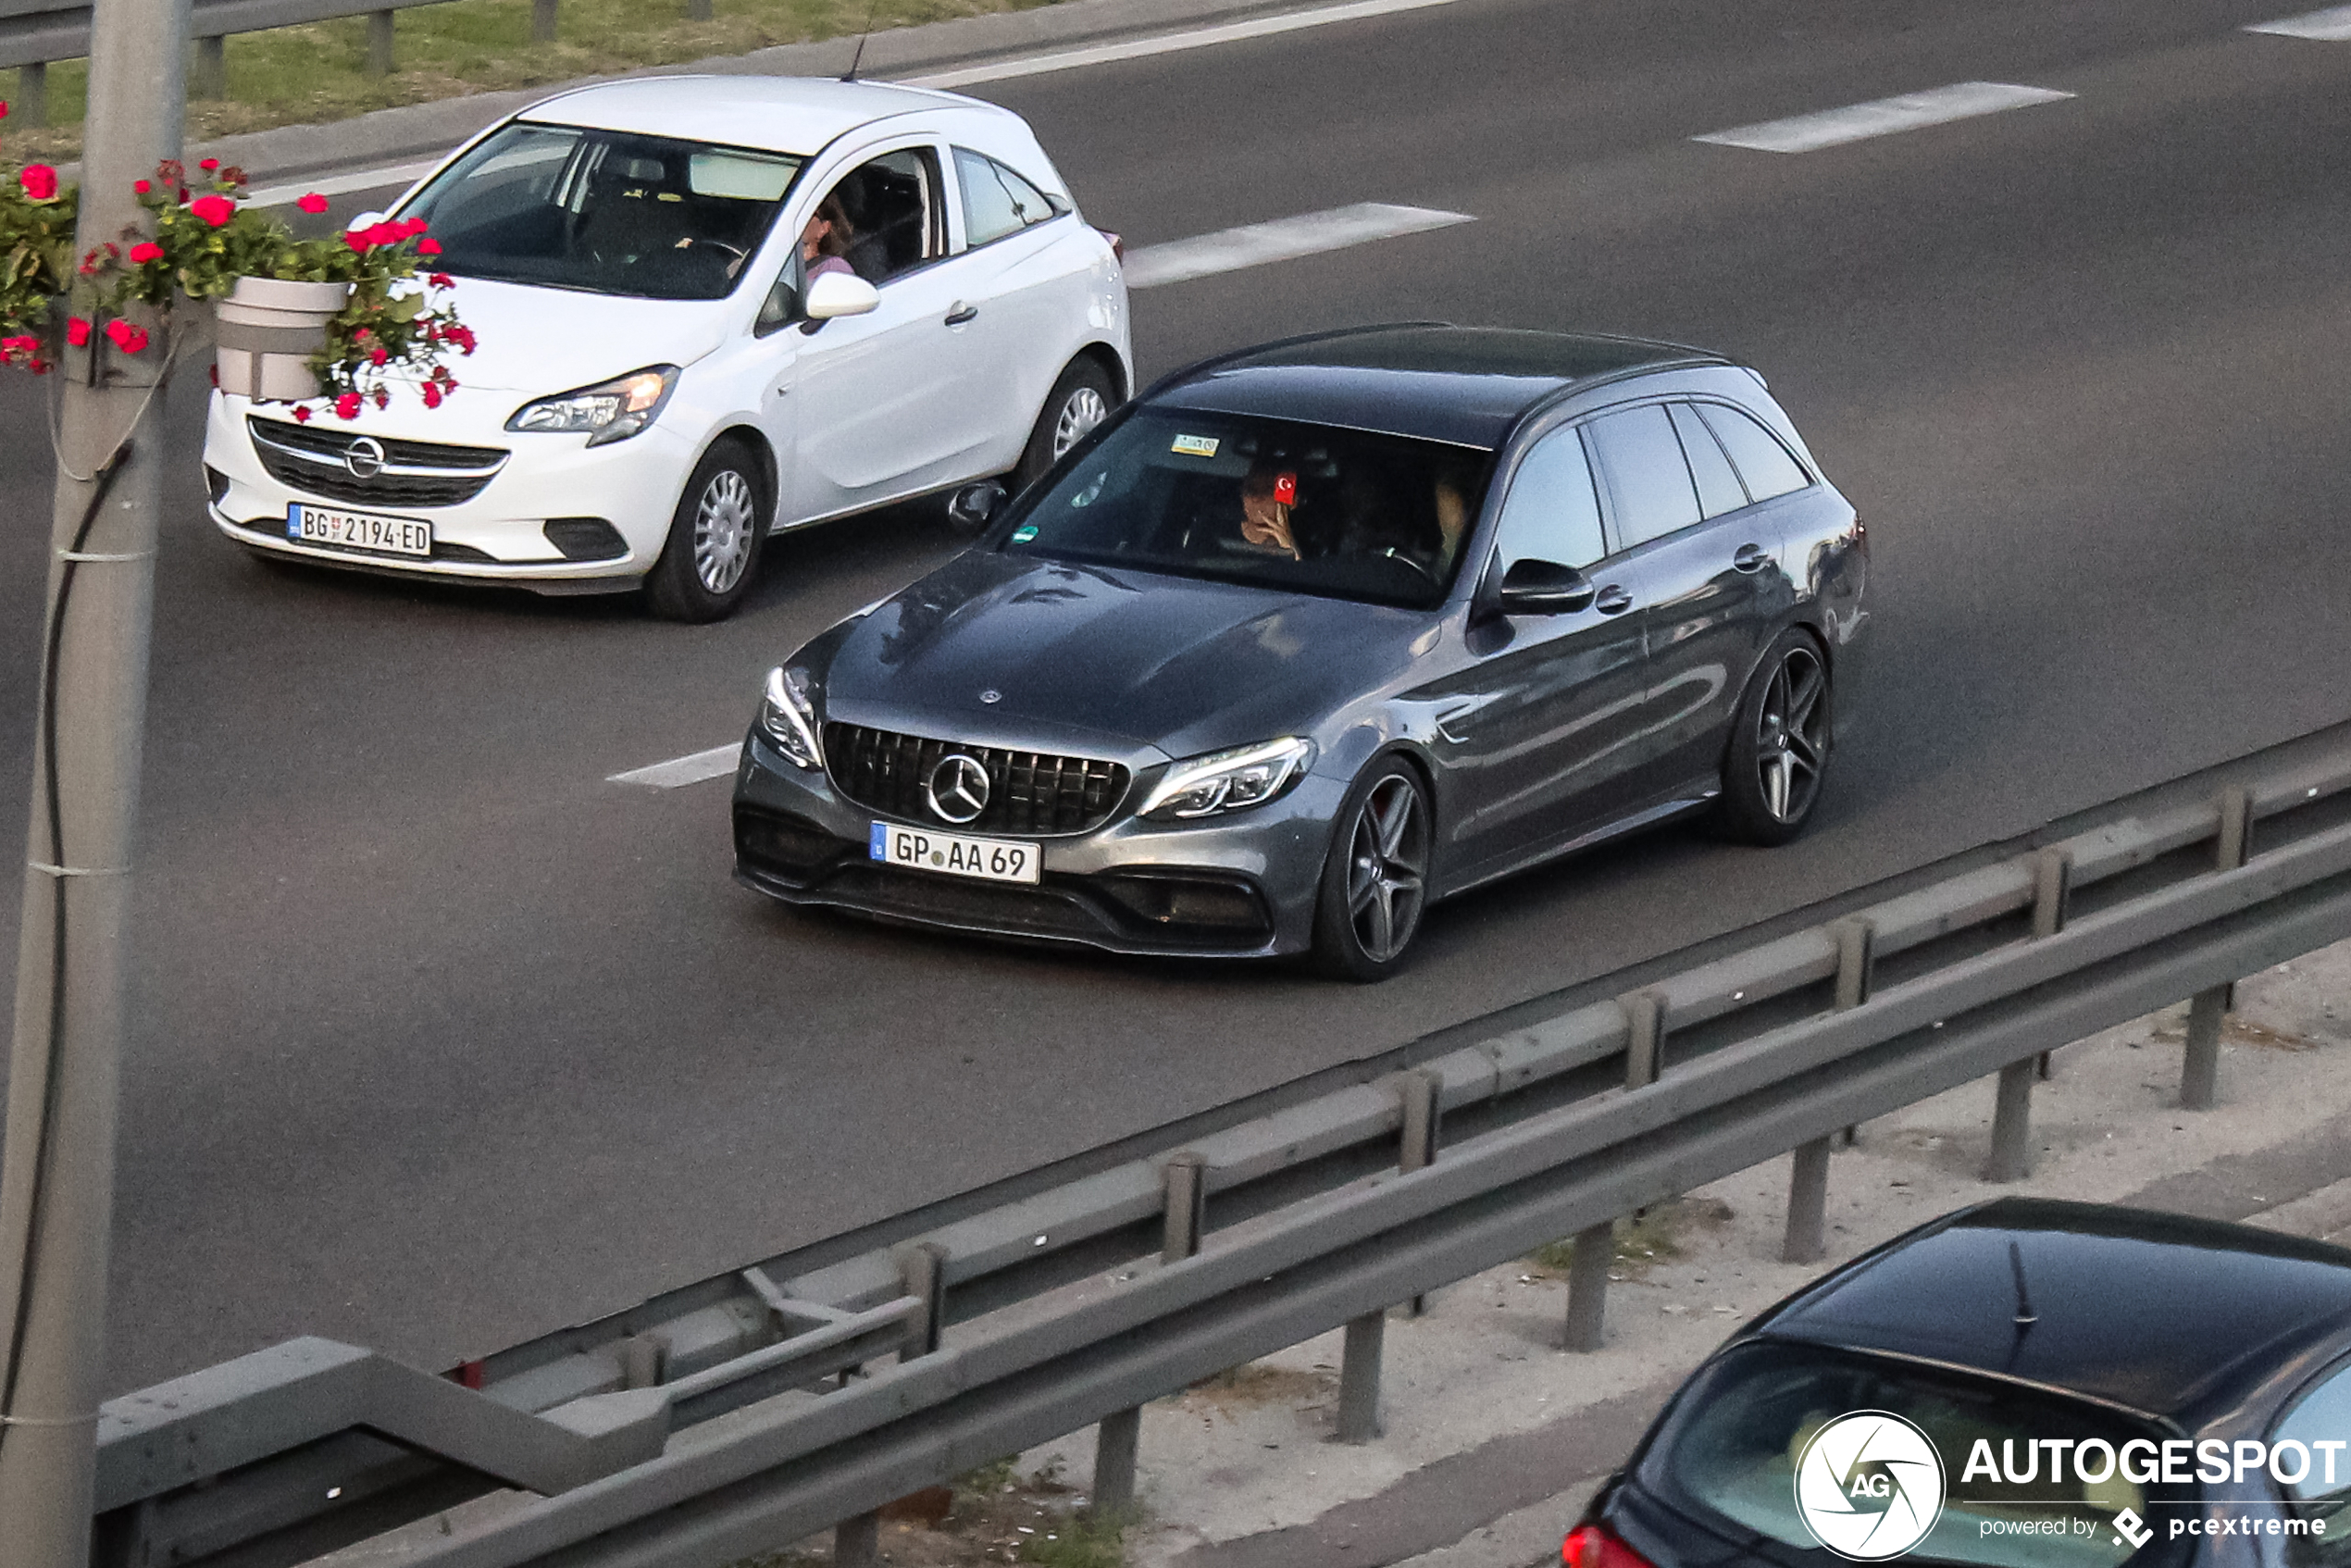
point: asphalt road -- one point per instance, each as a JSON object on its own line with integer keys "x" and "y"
{"x": 441, "y": 1041}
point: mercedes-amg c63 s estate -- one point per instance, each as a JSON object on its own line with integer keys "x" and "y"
{"x": 1310, "y": 636}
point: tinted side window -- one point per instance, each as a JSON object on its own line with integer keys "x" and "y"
{"x": 996, "y": 201}
{"x": 885, "y": 215}
{"x": 1647, "y": 475}
{"x": 1550, "y": 513}
{"x": 1718, "y": 485}
{"x": 1763, "y": 461}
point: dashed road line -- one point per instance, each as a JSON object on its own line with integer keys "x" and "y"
{"x": 2330, "y": 26}
{"x": 1167, "y": 44}
{"x": 1254, "y": 245}
{"x": 402, "y": 174}
{"x": 1883, "y": 117}
{"x": 716, "y": 763}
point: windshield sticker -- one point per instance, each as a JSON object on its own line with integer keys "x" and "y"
{"x": 1024, "y": 533}
{"x": 1196, "y": 446}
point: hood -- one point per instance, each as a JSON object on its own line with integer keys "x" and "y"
{"x": 1171, "y": 664}
{"x": 536, "y": 341}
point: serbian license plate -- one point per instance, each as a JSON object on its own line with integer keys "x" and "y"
{"x": 357, "y": 530}
{"x": 992, "y": 860}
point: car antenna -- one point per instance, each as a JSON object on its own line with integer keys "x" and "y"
{"x": 2025, "y": 1317}
{"x": 851, "y": 74}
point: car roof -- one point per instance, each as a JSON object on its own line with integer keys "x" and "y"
{"x": 2161, "y": 1313}
{"x": 1466, "y": 385}
{"x": 784, "y": 113}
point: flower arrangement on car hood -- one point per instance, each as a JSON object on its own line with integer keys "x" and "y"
{"x": 376, "y": 317}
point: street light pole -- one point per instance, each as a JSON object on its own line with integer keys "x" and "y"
{"x": 57, "y": 1165}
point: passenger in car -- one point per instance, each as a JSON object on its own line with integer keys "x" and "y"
{"x": 825, "y": 243}
{"x": 1265, "y": 510}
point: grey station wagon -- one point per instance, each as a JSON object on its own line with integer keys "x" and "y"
{"x": 1310, "y": 636}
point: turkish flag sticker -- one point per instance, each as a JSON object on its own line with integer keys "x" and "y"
{"x": 1285, "y": 489}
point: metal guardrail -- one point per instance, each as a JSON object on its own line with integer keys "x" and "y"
{"x": 1034, "y": 1319}
{"x": 35, "y": 34}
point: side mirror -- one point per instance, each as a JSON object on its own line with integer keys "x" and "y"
{"x": 365, "y": 221}
{"x": 1542, "y": 588}
{"x": 969, "y": 508}
{"x": 839, "y": 293}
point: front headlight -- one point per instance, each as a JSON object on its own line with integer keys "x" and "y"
{"x": 1234, "y": 780}
{"x": 788, "y": 717}
{"x": 613, "y": 410}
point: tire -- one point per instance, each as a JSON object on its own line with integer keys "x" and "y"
{"x": 712, "y": 555}
{"x": 1779, "y": 749}
{"x": 1079, "y": 400}
{"x": 1375, "y": 878}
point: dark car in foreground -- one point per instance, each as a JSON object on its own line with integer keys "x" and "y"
{"x": 2026, "y": 1384}
{"x": 1313, "y": 635}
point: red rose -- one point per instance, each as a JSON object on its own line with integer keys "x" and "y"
{"x": 302, "y": 414}
{"x": 383, "y": 398}
{"x": 432, "y": 396}
{"x": 428, "y": 247}
{"x": 414, "y": 226}
{"x": 144, "y": 252}
{"x": 314, "y": 202}
{"x": 3, "y": 111}
{"x": 39, "y": 181}
{"x": 378, "y": 355}
{"x": 126, "y": 337}
{"x": 441, "y": 280}
{"x": 357, "y": 240}
{"x": 208, "y": 164}
{"x": 141, "y": 186}
{"x": 77, "y": 332}
{"x": 347, "y": 406}
{"x": 215, "y": 211}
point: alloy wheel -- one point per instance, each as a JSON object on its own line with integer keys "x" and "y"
{"x": 1388, "y": 867}
{"x": 1791, "y": 735}
{"x": 1082, "y": 411}
{"x": 724, "y": 521}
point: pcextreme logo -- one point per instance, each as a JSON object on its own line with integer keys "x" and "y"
{"x": 1868, "y": 1485}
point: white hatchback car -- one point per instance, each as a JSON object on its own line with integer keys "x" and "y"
{"x": 663, "y": 379}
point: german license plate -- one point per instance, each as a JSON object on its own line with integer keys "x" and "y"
{"x": 356, "y": 531}
{"x": 991, "y": 860}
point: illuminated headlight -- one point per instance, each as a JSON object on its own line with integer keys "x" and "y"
{"x": 1234, "y": 780}
{"x": 788, "y": 717}
{"x": 613, "y": 410}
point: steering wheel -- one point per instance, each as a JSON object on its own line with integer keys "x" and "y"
{"x": 1389, "y": 553}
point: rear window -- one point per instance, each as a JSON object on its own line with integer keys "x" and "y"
{"x": 1732, "y": 1451}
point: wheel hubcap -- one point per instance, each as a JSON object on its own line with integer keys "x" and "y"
{"x": 1388, "y": 868}
{"x": 1083, "y": 410}
{"x": 723, "y": 524}
{"x": 1791, "y": 735}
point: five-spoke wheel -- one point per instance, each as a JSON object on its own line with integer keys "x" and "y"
{"x": 1779, "y": 744}
{"x": 1375, "y": 881}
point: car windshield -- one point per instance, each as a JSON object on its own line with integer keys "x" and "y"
{"x": 606, "y": 211}
{"x": 1735, "y": 1447}
{"x": 1307, "y": 508}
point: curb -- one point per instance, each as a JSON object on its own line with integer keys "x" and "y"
{"x": 412, "y": 131}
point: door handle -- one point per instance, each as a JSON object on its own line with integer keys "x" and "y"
{"x": 1612, "y": 601}
{"x": 960, "y": 314}
{"x": 1751, "y": 558}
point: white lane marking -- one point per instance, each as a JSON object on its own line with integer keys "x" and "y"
{"x": 342, "y": 184}
{"x": 1254, "y": 245}
{"x": 2330, "y": 26}
{"x": 1167, "y": 44}
{"x": 1830, "y": 128}
{"x": 714, "y": 762}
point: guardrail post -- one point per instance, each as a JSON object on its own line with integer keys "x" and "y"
{"x": 1644, "y": 1039}
{"x": 1184, "y": 1186}
{"x": 643, "y": 1360}
{"x": 2012, "y": 1124}
{"x": 208, "y": 72}
{"x": 379, "y": 59}
{"x": 1856, "y": 973}
{"x": 1808, "y": 1204}
{"x": 2052, "y": 892}
{"x": 923, "y": 1267}
{"x": 1359, "y": 1378}
{"x": 542, "y": 21}
{"x": 1416, "y": 1146}
{"x": 32, "y": 93}
{"x": 1587, "y": 1285}
{"x": 2200, "y": 1065}
{"x": 857, "y": 1542}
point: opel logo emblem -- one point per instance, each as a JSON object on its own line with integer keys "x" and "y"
{"x": 364, "y": 457}
{"x": 991, "y": 695}
{"x": 958, "y": 788}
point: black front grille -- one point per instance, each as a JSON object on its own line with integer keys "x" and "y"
{"x": 415, "y": 473}
{"x": 1028, "y": 792}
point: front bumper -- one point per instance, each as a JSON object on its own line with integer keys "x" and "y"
{"x": 501, "y": 533}
{"x": 1243, "y": 887}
